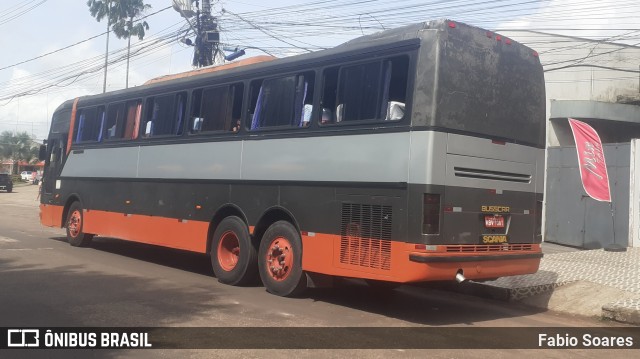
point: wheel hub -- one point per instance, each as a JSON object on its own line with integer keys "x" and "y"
{"x": 280, "y": 259}
{"x": 228, "y": 251}
{"x": 75, "y": 223}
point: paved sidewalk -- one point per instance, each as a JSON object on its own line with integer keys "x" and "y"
{"x": 584, "y": 282}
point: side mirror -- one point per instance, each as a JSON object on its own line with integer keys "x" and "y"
{"x": 42, "y": 154}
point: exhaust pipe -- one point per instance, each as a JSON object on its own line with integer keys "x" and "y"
{"x": 460, "y": 277}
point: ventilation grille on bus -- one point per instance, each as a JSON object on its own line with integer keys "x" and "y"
{"x": 489, "y": 248}
{"x": 492, "y": 175}
{"x": 365, "y": 235}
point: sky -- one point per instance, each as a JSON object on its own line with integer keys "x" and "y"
{"x": 31, "y": 88}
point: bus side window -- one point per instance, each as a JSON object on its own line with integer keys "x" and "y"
{"x": 395, "y": 87}
{"x": 115, "y": 120}
{"x": 359, "y": 91}
{"x": 369, "y": 91}
{"x": 281, "y": 101}
{"x": 216, "y": 109}
{"x": 134, "y": 109}
{"x": 329, "y": 95}
{"x": 165, "y": 115}
{"x": 88, "y": 125}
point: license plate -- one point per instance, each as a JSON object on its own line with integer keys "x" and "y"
{"x": 494, "y": 221}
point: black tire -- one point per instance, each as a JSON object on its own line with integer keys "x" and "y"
{"x": 244, "y": 267}
{"x": 9, "y": 189}
{"x": 75, "y": 234}
{"x": 293, "y": 279}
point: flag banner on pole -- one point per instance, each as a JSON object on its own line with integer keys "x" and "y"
{"x": 593, "y": 168}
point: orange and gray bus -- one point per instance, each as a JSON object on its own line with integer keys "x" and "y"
{"x": 414, "y": 154}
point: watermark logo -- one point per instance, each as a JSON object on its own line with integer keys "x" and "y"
{"x": 23, "y": 338}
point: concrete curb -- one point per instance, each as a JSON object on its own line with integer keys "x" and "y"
{"x": 624, "y": 311}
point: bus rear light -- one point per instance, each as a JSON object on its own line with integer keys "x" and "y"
{"x": 507, "y": 41}
{"x": 535, "y": 54}
{"x": 452, "y": 24}
{"x": 498, "y": 38}
{"x": 422, "y": 247}
{"x": 431, "y": 214}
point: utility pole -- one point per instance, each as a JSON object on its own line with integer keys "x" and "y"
{"x": 208, "y": 37}
{"x": 106, "y": 52}
{"x": 206, "y": 47}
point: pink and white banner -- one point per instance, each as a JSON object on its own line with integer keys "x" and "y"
{"x": 593, "y": 168}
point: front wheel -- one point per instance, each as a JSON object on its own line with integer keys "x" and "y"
{"x": 75, "y": 223}
{"x": 280, "y": 260}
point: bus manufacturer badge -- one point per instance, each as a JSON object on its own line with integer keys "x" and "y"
{"x": 495, "y": 209}
{"x": 493, "y": 238}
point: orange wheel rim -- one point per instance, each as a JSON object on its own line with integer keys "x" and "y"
{"x": 280, "y": 259}
{"x": 75, "y": 223}
{"x": 228, "y": 251}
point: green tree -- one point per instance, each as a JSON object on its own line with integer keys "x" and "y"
{"x": 18, "y": 147}
{"x": 121, "y": 15}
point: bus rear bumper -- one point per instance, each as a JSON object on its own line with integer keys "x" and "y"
{"x": 478, "y": 267}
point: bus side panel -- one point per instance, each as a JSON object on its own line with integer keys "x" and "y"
{"x": 349, "y": 260}
{"x": 188, "y": 235}
{"x": 50, "y": 215}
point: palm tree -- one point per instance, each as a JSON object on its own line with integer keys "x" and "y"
{"x": 120, "y": 15}
{"x": 18, "y": 147}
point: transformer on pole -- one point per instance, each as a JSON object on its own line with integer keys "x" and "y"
{"x": 207, "y": 42}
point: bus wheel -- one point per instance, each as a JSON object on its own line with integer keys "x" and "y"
{"x": 280, "y": 260}
{"x": 75, "y": 221}
{"x": 233, "y": 256}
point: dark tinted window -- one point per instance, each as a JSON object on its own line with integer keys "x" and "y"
{"x": 115, "y": 121}
{"x": 89, "y": 122}
{"x": 283, "y": 101}
{"x": 165, "y": 115}
{"x": 370, "y": 91}
{"x": 216, "y": 109}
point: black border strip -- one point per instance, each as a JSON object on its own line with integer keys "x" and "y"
{"x": 425, "y": 259}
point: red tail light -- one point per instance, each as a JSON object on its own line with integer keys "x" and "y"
{"x": 452, "y": 24}
{"x": 431, "y": 214}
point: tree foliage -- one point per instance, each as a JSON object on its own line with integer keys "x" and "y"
{"x": 121, "y": 16}
{"x": 18, "y": 147}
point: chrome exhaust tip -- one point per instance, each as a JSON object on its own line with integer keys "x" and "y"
{"x": 460, "y": 277}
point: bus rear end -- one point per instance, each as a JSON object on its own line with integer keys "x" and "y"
{"x": 479, "y": 117}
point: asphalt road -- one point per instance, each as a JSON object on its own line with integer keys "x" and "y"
{"x": 46, "y": 282}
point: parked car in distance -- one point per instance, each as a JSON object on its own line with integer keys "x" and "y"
{"x": 36, "y": 178}
{"x": 6, "y": 183}
{"x": 26, "y": 175}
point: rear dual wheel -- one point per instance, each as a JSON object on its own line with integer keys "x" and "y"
{"x": 280, "y": 260}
